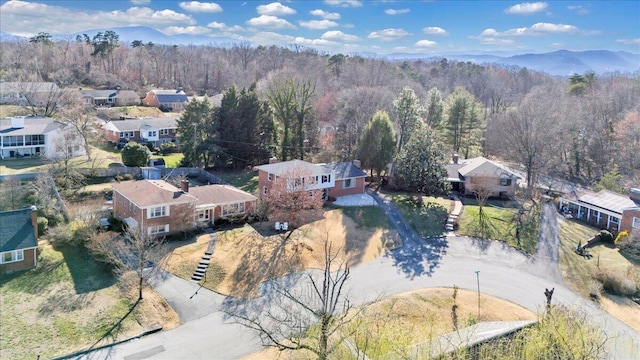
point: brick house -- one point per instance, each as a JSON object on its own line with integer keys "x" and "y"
{"x": 109, "y": 97}
{"x": 18, "y": 239}
{"x": 143, "y": 130}
{"x": 162, "y": 208}
{"x": 171, "y": 100}
{"x": 604, "y": 209}
{"x": 335, "y": 180}
{"x": 467, "y": 176}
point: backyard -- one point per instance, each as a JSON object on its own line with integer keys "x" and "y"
{"x": 606, "y": 273}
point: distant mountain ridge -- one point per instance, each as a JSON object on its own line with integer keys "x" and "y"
{"x": 556, "y": 63}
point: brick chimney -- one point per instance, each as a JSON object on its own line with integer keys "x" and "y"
{"x": 357, "y": 163}
{"x": 184, "y": 185}
{"x": 34, "y": 219}
{"x": 456, "y": 157}
{"x": 273, "y": 160}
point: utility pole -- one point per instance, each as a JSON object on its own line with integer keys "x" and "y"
{"x": 478, "y": 280}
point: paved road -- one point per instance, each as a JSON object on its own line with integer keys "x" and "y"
{"x": 420, "y": 263}
{"x": 547, "y": 257}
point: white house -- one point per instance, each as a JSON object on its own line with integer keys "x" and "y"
{"x": 25, "y": 136}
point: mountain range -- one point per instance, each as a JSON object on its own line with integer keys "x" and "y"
{"x": 557, "y": 63}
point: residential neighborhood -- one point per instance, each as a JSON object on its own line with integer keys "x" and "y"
{"x": 319, "y": 180}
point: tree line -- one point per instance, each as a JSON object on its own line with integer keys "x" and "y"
{"x": 318, "y": 105}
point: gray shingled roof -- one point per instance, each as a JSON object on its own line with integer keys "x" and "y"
{"x": 136, "y": 124}
{"x": 17, "y": 231}
{"x": 32, "y": 125}
{"x": 99, "y": 93}
{"x": 345, "y": 170}
{"x": 282, "y": 167}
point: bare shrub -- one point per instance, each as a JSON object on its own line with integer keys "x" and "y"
{"x": 615, "y": 283}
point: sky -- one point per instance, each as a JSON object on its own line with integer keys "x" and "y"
{"x": 348, "y": 26}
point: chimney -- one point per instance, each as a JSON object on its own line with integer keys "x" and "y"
{"x": 634, "y": 194}
{"x": 273, "y": 160}
{"x": 179, "y": 90}
{"x": 184, "y": 185}
{"x": 34, "y": 219}
{"x": 455, "y": 158}
{"x": 357, "y": 163}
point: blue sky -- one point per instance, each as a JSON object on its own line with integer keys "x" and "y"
{"x": 349, "y": 26}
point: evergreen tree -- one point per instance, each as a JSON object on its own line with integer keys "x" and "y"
{"x": 134, "y": 154}
{"x": 197, "y": 134}
{"x": 420, "y": 167}
{"x": 377, "y": 144}
{"x": 463, "y": 127}
{"x": 435, "y": 108}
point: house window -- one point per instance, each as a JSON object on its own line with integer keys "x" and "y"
{"x": 348, "y": 183}
{"x": 164, "y": 131}
{"x": 12, "y": 256}
{"x": 152, "y": 133}
{"x": 152, "y": 230}
{"x": 264, "y": 190}
{"x": 157, "y": 211}
{"x": 233, "y": 209}
{"x": 326, "y": 178}
{"x": 126, "y": 134}
{"x": 269, "y": 176}
{"x": 614, "y": 220}
{"x": 203, "y": 215}
{"x": 636, "y": 223}
{"x": 505, "y": 182}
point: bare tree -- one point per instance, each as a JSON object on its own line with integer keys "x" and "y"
{"x": 293, "y": 197}
{"x": 313, "y": 316}
{"x": 138, "y": 251}
{"x": 83, "y": 121}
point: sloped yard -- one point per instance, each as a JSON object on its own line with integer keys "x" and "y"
{"x": 243, "y": 258}
{"x": 427, "y": 218}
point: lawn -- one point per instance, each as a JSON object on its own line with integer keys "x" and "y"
{"x": 499, "y": 223}
{"x": 245, "y": 180}
{"x": 389, "y": 328}
{"x": 429, "y": 218}
{"x": 14, "y": 194}
{"x": 100, "y": 158}
{"x": 579, "y": 272}
{"x": 244, "y": 258}
{"x": 171, "y": 160}
{"x": 69, "y": 302}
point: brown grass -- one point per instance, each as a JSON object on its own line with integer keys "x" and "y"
{"x": 247, "y": 258}
{"x": 411, "y": 318}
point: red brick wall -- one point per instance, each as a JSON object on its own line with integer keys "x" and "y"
{"x": 27, "y": 263}
{"x": 337, "y": 190}
{"x": 627, "y": 220}
{"x": 263, "y": 181}
{"x": 150, "y": 100}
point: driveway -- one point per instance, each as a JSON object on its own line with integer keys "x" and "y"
{"x": 420, "y": 263}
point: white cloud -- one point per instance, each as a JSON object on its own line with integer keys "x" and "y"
{"x": 396, "y": 12}
{"x": 496, "y": 41}
{"x": 270, "y": 22}
{"x": 556, "y": 45}
{"x": 635, "y": 41}
{"x": 527, "y": 8}
{"x": 197, "y": 6}
{"x": 425, "y": 43}
{"x": 325, "y": 14}
{"x": 318, "y": 24}
{"x": 191, "y": 30}
{"x": 313, "y": 42}
{"x": 26, "y": 19}
{"x": 140, "y": 2}
{"x": 344, "y": 3}
{"x": 223, "y": 27}
{"x": 388, "y": 34}
{"x": 337, "y": 35}
{"x": 578, "y": 9}
{"x": 276, "y": 9}
{"x": 434, "y": 30}
{"x": 535, "y": 29}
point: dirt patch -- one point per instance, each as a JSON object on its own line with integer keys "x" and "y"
{"x": 623, "y": 308}
{"x": 246, "y": 258}
{"x": 418, "y": 316}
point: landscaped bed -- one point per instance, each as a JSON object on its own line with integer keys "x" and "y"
{"x": 616, "y": 270}
{"x": 243, "y": 258}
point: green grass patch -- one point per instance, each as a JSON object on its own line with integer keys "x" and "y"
{"x": 429, "y": 218}
{"x": 244, "y": 180}
{"x": 171, "y": 160}
{"x": 66, "y": 303}
{"x": 368, "y": 217}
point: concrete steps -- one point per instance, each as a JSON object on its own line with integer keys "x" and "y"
{"x": 203, "y": 265}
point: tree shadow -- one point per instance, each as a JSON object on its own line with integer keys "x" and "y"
{"x": 87, "y": 273}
